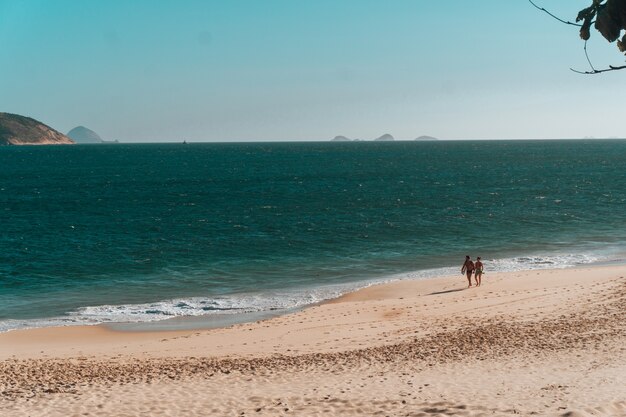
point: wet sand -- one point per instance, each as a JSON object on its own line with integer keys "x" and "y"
{"x": 549, "y": 342}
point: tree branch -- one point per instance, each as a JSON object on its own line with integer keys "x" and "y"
{"x": 588, "y": 60}
{"x": 595, "y": 71}
{"x": 553, "y": 16}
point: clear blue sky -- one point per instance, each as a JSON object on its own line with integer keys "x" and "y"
{"x": 306, "y": 70}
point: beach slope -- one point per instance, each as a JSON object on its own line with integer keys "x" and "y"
{"x": 549, "y": 342}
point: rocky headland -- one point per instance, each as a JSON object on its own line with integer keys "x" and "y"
{"x": 22, "y": 130}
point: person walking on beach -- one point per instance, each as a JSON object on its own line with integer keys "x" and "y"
{"x": 478, "y": 271}
{"x": 468, "y": 268}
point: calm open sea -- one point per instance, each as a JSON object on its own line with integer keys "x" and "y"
{"x": 105, "y": 233}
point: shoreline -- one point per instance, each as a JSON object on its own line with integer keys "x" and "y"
{"x": 375, "y": 291}
{"x": 220, "y": 320}
{"x": 516, "y": 345}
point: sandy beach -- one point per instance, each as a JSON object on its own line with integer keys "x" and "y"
{"x": 550, "y": 342}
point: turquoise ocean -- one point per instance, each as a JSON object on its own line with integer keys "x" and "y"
{"x": 145, "y": 232}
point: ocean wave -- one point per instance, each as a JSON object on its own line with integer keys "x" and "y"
{"x": 278, "y": 301}
{"x": 193, "y": 306}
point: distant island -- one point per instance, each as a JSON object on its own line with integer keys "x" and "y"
{"x": 340, "y": 139}
{"x": 81, "y": 134}
{"x": 344, "y": 139}
{"x": 22, "y": 130}
{"x": 384, "y": 138}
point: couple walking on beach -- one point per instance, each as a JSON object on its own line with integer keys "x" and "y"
{"x": 470, "y": 267}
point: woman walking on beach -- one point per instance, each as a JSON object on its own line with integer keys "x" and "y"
{"x": 478, "y": 271}
{"x": 468, "y": 268}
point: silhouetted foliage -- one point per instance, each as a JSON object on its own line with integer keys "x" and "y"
{"x": 610, "y": 20}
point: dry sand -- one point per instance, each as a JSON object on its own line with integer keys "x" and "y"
{"x": 547, "y": 342}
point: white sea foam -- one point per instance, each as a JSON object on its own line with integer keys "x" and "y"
{"x": 193, "y": 306}
{"x": 517, "y": 264}
{"x": 279, "y": 300}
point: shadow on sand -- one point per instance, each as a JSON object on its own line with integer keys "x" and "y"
{"x": 447, "y": 291}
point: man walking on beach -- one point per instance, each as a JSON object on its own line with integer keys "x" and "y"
{"x": 468, "y": 268}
